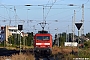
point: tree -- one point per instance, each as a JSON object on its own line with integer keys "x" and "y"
{"x": 62, "y": 38}
{"x": 88, "y": 35}
{"x": 11, "y": 39}
{"x": 30, "y": 39}
{"x": 55, "y": 42}
{"x": 87, "y": 44}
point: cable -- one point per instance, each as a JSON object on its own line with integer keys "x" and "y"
{"x": 61, "y": 12}
{"x": 48, "y": 2}
{"x": 86, "y": 2}
{"x": 49, "y": 9}
{"x": 8, "y": 13}
{"x": 3, "y": 17}
{"x": 6, "y": 10}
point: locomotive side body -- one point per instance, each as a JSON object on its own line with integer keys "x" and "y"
{"x": 43, "y": 43}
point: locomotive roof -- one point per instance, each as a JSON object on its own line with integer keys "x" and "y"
{"x": 43, "y": 32}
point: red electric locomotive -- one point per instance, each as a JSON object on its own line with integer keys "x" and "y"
{"x": 42, "y": 43}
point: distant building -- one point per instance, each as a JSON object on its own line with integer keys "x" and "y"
{"x": 2, "y": 33}
{"x": 6, "y": 31}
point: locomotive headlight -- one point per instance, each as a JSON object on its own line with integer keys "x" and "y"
{"x": 47, "y": 50}
{"x": 36, "y": 46}
{"x": 48, "y": 46}
{"x": 37, "y": 50}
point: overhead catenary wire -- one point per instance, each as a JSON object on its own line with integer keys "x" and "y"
{"x": 49, "y": 9}
{"x": 61, "y": 12}
{"x": 8, "y": 13}
{"x": 48, "y": 2}
{"x": 68, "y": 15}
{"x": 16, "y": 14}
{"x": 6, "y": 9}
{"x": 14, "y": 9}
{"x": 67, "y": 8}
{"x": 33, "y": 21}
{"x": 52, "y": 8}
{"x": 86, "y": 2}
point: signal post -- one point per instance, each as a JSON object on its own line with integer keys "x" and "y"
{"x": 20, "y": 28}
{"x": 78, "y": 25}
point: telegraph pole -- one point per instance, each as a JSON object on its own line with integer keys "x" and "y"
{"x": 57, "y": 38}
{"x": 66, "y": 35}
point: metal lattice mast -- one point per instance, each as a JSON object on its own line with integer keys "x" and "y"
{"x": 72, "y": 28}
{"x": 74, "y": 25}
{"x": 15, "y": 15}
{"x": 82, "y": 30}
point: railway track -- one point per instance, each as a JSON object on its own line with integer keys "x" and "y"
{"x": 6, "y": 52}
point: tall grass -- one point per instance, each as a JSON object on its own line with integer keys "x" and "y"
{"x": 18, "y": 57}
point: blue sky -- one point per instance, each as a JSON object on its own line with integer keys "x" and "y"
{"x": 59, "y": 11}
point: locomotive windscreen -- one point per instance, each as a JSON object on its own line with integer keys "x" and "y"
{"x": 43, "y": 37}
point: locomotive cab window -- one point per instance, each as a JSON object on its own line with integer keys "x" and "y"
{"x": 46, "y": 38}
{"x": 43, "y": 37}
{"x": 39, "y": 37}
